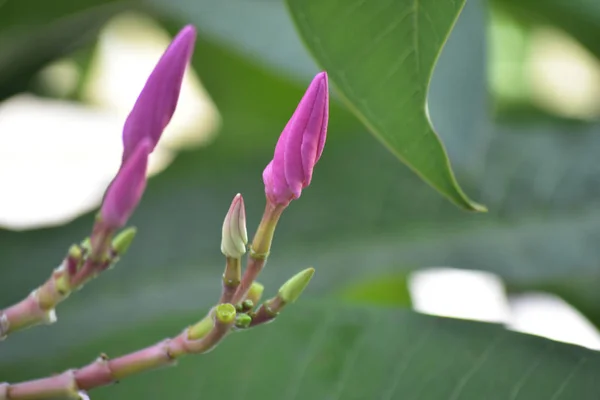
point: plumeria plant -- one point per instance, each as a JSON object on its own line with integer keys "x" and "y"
{"x": 297, "y": 151}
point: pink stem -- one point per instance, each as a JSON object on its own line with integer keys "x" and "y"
{"x": 103, "y": 371}
{"x": 37, "y": 308}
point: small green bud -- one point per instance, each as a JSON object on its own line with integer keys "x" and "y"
{"x": 75, "y": 252}
{"x": 255, "y": 292}
{"x": 123, "y": 240}
{"x": 243, "y": 321}
{"x": 201, "y": 329}
{"x": 247, "y": 305}
{"x": 293, "y": 288}
{"x": 86, "y": 244}
{"x": 225, "y": 313}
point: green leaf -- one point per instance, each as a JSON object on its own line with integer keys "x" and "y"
{"x": 382, "y": 67}
{"x": 322, "y": 351}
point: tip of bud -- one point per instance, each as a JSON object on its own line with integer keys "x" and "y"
{"x": 201, "y": 329}
{"x": 293, "y": 288}
{"x": 225, "y": 313}
{"x": 300, "y": 145}
{"x": 123, "y": 240}
{"x": 158, "y": 99}
{"x": 234, "y": 235}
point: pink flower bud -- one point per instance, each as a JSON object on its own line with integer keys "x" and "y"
{"x": 300, "y": 145}
{"x": 157, "y": 101}
{"x": 125, "y": 191}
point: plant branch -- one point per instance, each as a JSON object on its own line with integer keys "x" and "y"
{"x": 38, "y": 307}
{"x": 259, "y": 251}
{"x": 81, "y": 264}
{"x": 104, "y": 371}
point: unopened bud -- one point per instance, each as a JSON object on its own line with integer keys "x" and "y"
{"x": 293, "y": 288}
{"x": 158, "y": 99}
{"x": 75, "y": 252}
{"x": 255, "y": 292}
{"x": 243, "y": 321}
{"x": 123, "y": 240}
{"x": 299, "y": 146}
{"x": 247, "y": 305}
{"x": 234, "y": 236}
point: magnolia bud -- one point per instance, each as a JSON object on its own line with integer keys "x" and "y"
{"x": 156, "y": 103}
{"x": 234, "y": 236}
{"x": 299, "y": 146}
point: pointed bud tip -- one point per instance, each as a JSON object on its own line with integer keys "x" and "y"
{"x": 322, "y": 77}
{"x": 123, "y": 240}
{"x": 188, "y": 30}
{"x": 156, "y": 103}
{"x": 225, "y": 313}
{"x": 300, "y": 145}
{"x": 293, "y": 288}
{"x": 234, "y": 235}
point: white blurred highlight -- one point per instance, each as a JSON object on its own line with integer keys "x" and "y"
{"x": 565, "y": 77}
{"x": 547, "y": 315}
{"x": 57, "y": 157}
{"x": 460, "y": 294}
{"x": 481, "y": 296}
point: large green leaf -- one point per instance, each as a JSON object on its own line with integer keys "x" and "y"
{"x": 382, "y": 67}
{"x": 323, "y": 351}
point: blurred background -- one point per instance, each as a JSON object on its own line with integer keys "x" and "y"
{"x": 515, "y": 97}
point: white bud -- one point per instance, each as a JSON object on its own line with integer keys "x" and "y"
{"x": 235, "y": 237}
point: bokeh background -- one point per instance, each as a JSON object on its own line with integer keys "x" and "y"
{"x": 515, "y": 97}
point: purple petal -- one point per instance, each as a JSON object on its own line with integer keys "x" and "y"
{"x": 125, "y": 192}
{"x": 157, "y": 101}
{"x": 300, "y": 145}
{"x": 316, "y": 130}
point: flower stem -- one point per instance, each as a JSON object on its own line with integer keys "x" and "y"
{"x": 259, "y": 251}
{"x": 231, "y": 278}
